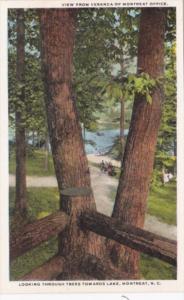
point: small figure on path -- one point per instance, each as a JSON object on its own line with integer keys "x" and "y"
{"x": 102, "y": 166}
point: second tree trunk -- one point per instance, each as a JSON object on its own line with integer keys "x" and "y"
{"x": 137, "y": 167}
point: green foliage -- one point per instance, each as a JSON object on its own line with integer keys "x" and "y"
{"x": 141, "y": 84}
{"x": 88, "y": 100}
{"x": 165, "y": 157}
{"x": 91, "y": 61}
{"x": 114, "y": 90}
{"x": 105, "y": 38}
{"x": 127, "y": 88}
{"x": 32, "y": 108}
{"x": 170, "y": 34}
{"x": 157, "y": 178}
{"x": 166, "y": 160}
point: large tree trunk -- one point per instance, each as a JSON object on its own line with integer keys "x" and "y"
{"x": 71, "y": 166}
{"x": 20, "y": 201}
{"x": 132, "y": 193}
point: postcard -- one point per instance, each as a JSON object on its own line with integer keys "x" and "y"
{"x": 92, "y": 147}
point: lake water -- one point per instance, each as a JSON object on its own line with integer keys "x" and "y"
{"x": 102, "y": 140}
{"x": 95, "y": 142}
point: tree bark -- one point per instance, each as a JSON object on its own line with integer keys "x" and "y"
{"x": 97, "y": 269}
{"x": 20, "y": 200}
{"x": 70, "y": 161}
{"x": 133, "y": 188}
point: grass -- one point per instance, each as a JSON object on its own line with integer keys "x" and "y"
{"x": 162, "y": 202}
{"x": 155, "y": 269}
{"x": 44, "y": 201}
{"x": 35, "y": 164}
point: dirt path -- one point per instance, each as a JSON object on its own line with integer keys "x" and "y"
{"x": 104, "y": 188}
{"x": 35, "y": 181}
